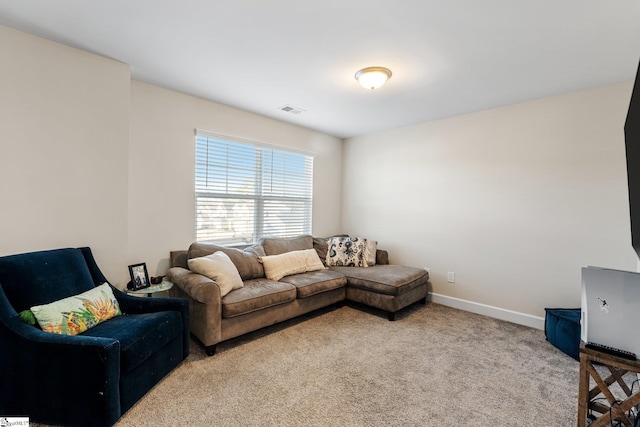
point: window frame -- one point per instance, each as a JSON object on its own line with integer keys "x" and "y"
{"x": 302, "y": 223}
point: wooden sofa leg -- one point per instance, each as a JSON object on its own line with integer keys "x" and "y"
{"x": 392, "y": 316}
{"x": 210, "y": 350}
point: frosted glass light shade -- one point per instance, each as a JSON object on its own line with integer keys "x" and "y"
{"x": 373, "y": 77}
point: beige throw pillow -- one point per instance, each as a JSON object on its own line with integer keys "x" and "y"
{"x": 219, "y": 268}
{"x": 314, "y": 263}
{"x": 278, "y": 266}
{"x": 370, "y": 253}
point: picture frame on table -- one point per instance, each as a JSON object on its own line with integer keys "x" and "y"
{"x": 139, "y": 276}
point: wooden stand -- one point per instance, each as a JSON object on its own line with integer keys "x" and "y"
{"x": 616, "y": 409}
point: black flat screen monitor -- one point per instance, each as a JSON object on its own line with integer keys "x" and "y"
{"x": 632, "y": 145}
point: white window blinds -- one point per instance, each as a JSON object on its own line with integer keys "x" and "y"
{"x": 245, "y": 191}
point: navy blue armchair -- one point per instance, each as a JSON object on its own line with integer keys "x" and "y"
{"x": 91, "y": 378}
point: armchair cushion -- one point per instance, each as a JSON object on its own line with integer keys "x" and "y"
{"x": 140, "y": 335}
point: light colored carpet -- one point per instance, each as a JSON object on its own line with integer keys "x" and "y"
{"x": 433, "y": 366}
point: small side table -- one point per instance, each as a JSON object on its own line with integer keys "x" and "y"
{"x": 617, "y": 367}
{"x": 164, "y": 286}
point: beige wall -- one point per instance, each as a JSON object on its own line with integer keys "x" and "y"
{"x": 162, "y": 167}
{"x": 90, "y": 157}
{"x": 514, "y": 200}
{"x": 64, "y": 124}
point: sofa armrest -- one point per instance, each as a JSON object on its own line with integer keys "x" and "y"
{"x": 205, "y": 304}
{"x": 382, "y": 257}
{"x": 196, "y": 286}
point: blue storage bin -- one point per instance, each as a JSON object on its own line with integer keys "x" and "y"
{"x": 562, "y": 329}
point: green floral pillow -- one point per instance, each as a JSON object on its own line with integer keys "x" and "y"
{"x": 76, "y": 314}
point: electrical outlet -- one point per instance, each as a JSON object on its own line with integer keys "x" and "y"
{"x": 428, "y": 270}
{"x": 451, "y": 277}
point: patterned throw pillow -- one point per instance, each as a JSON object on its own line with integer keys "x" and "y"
{"x": 76, "y": 314}
{"x": 346, "y": 252}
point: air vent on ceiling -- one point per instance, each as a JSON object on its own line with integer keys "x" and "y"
{"x": 291, "y": 109}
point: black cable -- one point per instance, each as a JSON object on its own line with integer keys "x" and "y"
{"x": 590, "y": 411}
{"x": 636, "y": 413}
{"x": 618, "y": 422}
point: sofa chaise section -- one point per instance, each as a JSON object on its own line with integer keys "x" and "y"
{"x": 387, "y": 287}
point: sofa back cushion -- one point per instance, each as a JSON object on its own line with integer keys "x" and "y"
{"x": 42, "y": 277}
{"x": 246, "y": 260}
{"x": 179, "y": 258}
{"x": 279, "y": 245}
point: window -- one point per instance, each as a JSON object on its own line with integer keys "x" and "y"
{"x": 245, "y": 191}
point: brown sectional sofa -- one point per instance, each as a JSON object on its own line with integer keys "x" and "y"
{"x": 262, "y": 302}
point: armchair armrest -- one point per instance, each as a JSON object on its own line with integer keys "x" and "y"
{"x": 136, "y": 305}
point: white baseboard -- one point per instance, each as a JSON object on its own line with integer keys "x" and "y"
{"x": 489, "y": 310}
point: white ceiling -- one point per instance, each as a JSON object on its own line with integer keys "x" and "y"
{"x": 448, "y": 57}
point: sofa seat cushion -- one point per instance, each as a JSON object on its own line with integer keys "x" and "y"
{"x": 140, "y": 335}
{"x": 256, "y": 295}
{"x": 384, "y": 279}
{"x": 315, "y": 282}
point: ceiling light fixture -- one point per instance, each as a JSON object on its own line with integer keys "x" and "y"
{"x": 373, "y": 77}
